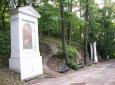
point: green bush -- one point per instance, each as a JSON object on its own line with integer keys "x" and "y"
{"x": 4, "y": 43}
{"x": 72, "y": 58}
{"x": 72, "y": 53}
{"x": 4, "y": 48}
{"x": 60, "y": 55}
{"x": 73, "y": 65}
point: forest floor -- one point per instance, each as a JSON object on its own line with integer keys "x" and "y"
{"x": 99, "y": 74}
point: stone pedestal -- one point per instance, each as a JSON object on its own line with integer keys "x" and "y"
{"x": 25, "y": 56}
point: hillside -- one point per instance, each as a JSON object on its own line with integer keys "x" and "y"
{"x": 49, "y": 47}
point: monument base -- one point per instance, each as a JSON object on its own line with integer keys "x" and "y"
{"x": 28, "y": 67}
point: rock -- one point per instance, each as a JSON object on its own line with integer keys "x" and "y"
{"x": 63, "y": 68}
{"x": 81, "y": 65}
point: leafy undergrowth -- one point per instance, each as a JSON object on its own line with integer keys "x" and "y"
{"x": 8, "y": 77}
{"x": 4, "y": 61}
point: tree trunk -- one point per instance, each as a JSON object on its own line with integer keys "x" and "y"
{"x": 19, "y": 3}
{"x": 69, "y": 30}
{"x": 69, "y": 27}
{"x": 3, "y": 23}
{"x": 85, "y": 49}
{"x": 63, "y": 31}
{"x": 86, "y": 30}
{"x": 80, "y": 24}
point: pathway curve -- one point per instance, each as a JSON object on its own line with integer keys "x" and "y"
{"x": 47, "y": 69}
{"x": 100, "y": 74}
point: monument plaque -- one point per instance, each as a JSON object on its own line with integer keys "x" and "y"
{"x": 25, "y": 56}
{"x": 27, "y": 36}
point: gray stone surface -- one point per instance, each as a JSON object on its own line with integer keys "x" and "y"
{"x": 99, "y": 74}
{"x": 63, "y": 68}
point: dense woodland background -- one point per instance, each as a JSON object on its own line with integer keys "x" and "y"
{"x": 73, "y": 22}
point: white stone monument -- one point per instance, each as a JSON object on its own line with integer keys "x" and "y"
{"x": 25, "y": 56}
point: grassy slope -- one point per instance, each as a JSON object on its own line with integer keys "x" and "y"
{"x": 49, "y": 46}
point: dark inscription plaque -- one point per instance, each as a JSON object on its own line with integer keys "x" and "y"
{"x": 27, "y": 36}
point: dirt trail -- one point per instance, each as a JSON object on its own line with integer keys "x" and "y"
{"x": 49, "y": 71}
{"x": 100, "y": 74}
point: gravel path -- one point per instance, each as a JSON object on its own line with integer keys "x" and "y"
{"x": 8, "y": 77}
{"x": 100, "y": 74}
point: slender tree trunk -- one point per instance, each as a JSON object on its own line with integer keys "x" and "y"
{"x": 80, "y": 25}
{"x": 69, "y": 26}
{"x": 63, "y": 31}
{"x": 19, "y": 3}
{"x": 69, "y": 30}
{"x": 85, "y": 49}
{"x": 3, "y": 23}
{"x": 86, "y": 30}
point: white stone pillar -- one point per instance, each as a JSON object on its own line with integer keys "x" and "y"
{"x": 25, "y": 56}
{"x": 91, "y": 50}
{"x": 95, "y": 54}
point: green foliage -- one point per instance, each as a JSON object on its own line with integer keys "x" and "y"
{"x": 73, "y": 65}
{"x": 101, "y": 25}
{"x": 72, "y": 57}
{"x": 72, "y": 53}
{"x": 60, "y": 55}
{"x": 77, "y": 25}
{"x": 49, "y": 23}
{"x": 4, "y": 61}
{"x": 4, "y": 43}
{"x": 106, "y": 32}
{"x": 4, "y": 48}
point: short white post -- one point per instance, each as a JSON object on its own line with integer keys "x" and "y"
{"x": 95, "y": 54}
{"x": 91, "y": 50}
